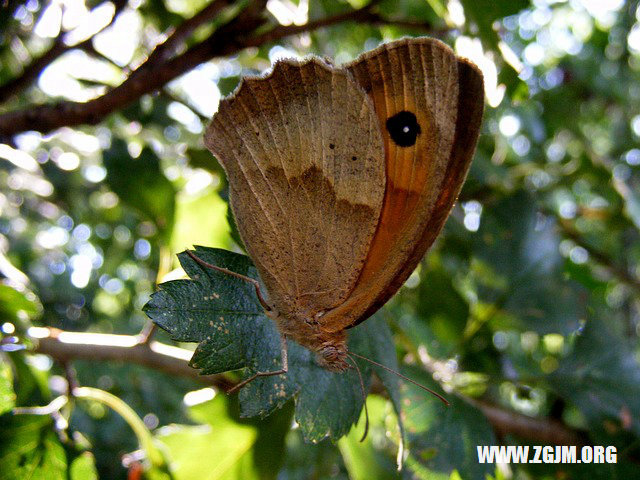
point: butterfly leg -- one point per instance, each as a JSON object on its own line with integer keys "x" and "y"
{"x": 284, "y": 369}
{"x": 252, "y": 281}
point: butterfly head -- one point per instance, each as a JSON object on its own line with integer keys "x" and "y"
{"x": 332, "y": 355}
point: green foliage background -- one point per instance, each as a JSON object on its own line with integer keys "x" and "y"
{"x": 528, "y": 303}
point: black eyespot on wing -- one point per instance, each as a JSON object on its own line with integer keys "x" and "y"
{"x": 403, "y": 128}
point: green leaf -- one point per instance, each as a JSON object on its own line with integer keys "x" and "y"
{"x": 222, "y": 313}
{"x": 7, "y": 395}
{"x": 150, "y": 111}
{"x": 629, "y": 192}
{"x": 213, "y": 451}
{"x": 156, "y": 12}
{"x": 267, "y": 450}
{"x": 30, "y": 449}
{"x": 429, "y": 11}
{"x": 13, "y": 302}
{"x": 443, "y": 439}
{"x": 442, "y": 305}
{"x": 521, "y": 269}
{"x": 202, "y": 158}
{"x": 83, "y": 467}
{"x": 380, "y": 349}
{"x": 484, "y": 14}
{"x": 364, "y": 459}
{"x": 200, "y": 218}
{"x": 305, "y": 460}
{"x": 226, "y": 85}
{"x": 601, "y": 376}
{"x": 32, "y": 388}
{"x": 217, "y": 310}
{"x": 141, "y": 184}
{"x": 517, "y": 89}
{"x": 244, "y": 448}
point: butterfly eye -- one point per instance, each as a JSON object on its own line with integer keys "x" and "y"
{"x": 403, "y": 128}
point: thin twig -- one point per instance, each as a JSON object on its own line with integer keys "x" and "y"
{"x": 147, "y": 332}
{"x": 59, "y": 47}
{"x": 176, "y": 39}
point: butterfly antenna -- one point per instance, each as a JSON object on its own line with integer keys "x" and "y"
{"x": 252, "y": 281}
{"x": 427, "y": 389}
{"x": 364, "y": 398}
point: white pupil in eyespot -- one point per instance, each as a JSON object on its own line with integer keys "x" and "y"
{"x": 405, "y": 129}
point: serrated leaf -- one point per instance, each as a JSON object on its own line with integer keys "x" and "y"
{"x": 223, "y": 314}
{"x": 30, "y": 449}
{"x": 218, "y": 310}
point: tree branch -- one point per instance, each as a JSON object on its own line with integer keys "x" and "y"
{"x": 541, "y": 430}
{"x": 67, "y": 346}
{"x": 159, "y": 69}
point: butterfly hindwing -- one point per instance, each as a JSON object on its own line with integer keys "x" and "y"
{"x": 429, "y": 104}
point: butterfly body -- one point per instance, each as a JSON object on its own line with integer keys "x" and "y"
{"x": 341, "y": 178}
{"x": 330, "y": 347}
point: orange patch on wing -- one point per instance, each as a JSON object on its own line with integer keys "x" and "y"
{"x": 408, "y": 169}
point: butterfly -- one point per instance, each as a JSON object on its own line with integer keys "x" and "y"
{"x": 341, "y": 177}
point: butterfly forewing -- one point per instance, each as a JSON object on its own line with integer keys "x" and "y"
{"x": 305, "y": 161}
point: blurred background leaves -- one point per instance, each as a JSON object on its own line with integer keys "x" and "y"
{"x": 527, "y": 305}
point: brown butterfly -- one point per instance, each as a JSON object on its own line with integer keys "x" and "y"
{"x": 341, "y": 177}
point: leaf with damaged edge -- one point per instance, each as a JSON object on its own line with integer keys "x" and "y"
{"x": 222, "y": 313}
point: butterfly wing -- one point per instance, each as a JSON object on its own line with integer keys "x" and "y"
{"x": 305, "y": 162}
{"x": 429, "y": 104}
